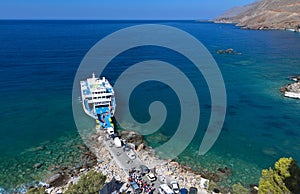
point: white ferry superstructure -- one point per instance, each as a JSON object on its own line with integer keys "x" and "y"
{"x": 98, "y": 100}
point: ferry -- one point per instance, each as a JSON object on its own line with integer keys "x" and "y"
{"x": 98, "y": 101}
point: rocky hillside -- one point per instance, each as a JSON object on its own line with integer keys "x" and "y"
{"x": 265, "y": 14}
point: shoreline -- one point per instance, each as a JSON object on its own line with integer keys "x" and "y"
{"x": 109, "y": 166}
{"x": 254, "y": 27}
{"x": 97, "y": 157}
{"x": 165, "y": 170}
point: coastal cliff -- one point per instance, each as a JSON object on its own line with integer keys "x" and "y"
{"x": 265, "y": 14}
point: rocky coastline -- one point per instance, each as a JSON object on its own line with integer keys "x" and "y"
{"x": 265, "y": 15}
{"x": 292, "y": 90}
{"x": 102, "y": 161}
{"x": 185, "y": 176}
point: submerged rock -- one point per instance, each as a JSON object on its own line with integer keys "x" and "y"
{"x": 36, "y": 149}
{"x": 38, "y": 165}
{"x": 269, "y": 151}
{"x": 224, "y": 172}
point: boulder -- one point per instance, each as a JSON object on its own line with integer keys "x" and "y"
{"x": 132, "y": 137}
{"x": 220, "y": 51}
{"x": 36, "y": 149}
{"x": 229, "y": 51}
{"x": 56, "y": 180}
{"x": 295, "y": 87}
{"x": 140, "y": 147}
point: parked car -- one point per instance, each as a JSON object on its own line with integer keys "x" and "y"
{"x": 110, "y": 130}
{"x": 144, "y": 169}
{"x": 117, "y": 142}
{"x": 174, "y": 186}
{"x": 126, "y": 148}
{"x": 131, "y": 155}
{"x": 151, "y": 177}
{"x": 135, "y": 186}
{"x": 193, "y": 190}
{"x": 166, "y": 189}
{"x": 183, "y": 191}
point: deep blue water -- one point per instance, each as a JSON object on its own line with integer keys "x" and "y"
{"x": 39, "y": 59}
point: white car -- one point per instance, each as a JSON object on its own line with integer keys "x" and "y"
{"x": 174, "y": 186}
{"x": 166, "y": 189}
{"x": 131, "y": 155}
{"x": 151, "y": 177}
{"x": 117, "y": 142}
{"x": 110, "y": 130}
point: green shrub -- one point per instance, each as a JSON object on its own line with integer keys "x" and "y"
{"x": 212, "y": 185}
{"x": 88, "y": 183}
{"x": 39, "y": 190}
{"x": 284, "y": 178}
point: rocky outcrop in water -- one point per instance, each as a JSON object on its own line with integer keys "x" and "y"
{"x": 292, "y": 90}
{"x": 132, "y": 137}
{"x": 228, "y": 51}
{"x": 56, "y": 180}
{"x": 295, "y": 88}
{"x": 295, "y": 78}
{"x": 265, "y": 14}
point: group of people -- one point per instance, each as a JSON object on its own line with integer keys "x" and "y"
{"x": 145, "y": 187}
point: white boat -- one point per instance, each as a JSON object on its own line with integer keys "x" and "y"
{"x": 292, "y": 95}
{"x": 98, "y": 100}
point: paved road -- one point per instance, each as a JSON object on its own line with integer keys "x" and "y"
{"x": 124, "y": 162}
{"x": 121, "y": 157}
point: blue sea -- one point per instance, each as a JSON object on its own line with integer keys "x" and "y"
{"x": 39, "y": 59}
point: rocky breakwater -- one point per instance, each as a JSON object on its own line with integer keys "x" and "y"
{"x": 106, "y": 165}
{"x": 165, "y": 170}
{"x": 292, "y": 90}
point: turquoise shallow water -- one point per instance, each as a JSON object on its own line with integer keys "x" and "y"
{"x": 38, "y": 61}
